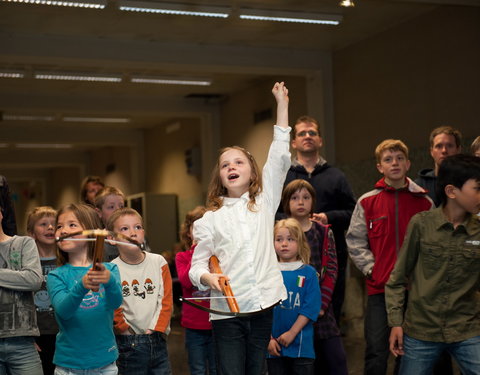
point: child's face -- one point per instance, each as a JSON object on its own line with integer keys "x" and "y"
{"x": 111, "y": 204}
{"x": 92, "y": 189}
{"x": 394, "y": 165}
{"x": 44, "y": 230}
{"x": 301, "y": 204}
{"x": 68, "y": 223}
{"x": 468, "y": 197}
{"x": 477, "y": 153}
{"x": 130, "y": 226}
{"x": 235, "y": 172}
{"x": 286, "y": 246}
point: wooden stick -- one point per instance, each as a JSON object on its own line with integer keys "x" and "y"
{"x": 224, "y": 285}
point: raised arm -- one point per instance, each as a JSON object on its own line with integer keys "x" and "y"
{"x": 280, "y": 92}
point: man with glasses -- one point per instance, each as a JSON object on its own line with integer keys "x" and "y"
{"x": 334, "y": 197}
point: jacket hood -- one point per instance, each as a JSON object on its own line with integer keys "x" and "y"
{"x": 427, "y": 173}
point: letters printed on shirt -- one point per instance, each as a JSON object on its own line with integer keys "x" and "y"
{"x": 293, "y": 301}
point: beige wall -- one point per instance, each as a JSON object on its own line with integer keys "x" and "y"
{"x": 64, "y": 184}
{"x": 404, "y": 82}
{"x": 120, "y": 159}
{"x": 165, "y": 167}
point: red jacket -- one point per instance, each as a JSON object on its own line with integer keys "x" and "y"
{"x": 378, "y": 227}
{"x": 191, "y": 317}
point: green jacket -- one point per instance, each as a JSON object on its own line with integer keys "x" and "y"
{"x": 440, "y": 267}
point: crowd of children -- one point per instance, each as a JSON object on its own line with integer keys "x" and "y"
{"x": 268, "y": 301}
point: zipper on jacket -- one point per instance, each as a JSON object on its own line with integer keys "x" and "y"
{"x": 371, "y": 221}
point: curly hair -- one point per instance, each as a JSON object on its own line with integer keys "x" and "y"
{"x": 216, "y": 190}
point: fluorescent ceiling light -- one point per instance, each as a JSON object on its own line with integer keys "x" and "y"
{"x": 289, "y": 16}
{"x": 172, "y": 81}
{"x": 96, "y": 119}
{"x": 43, "y": 145}
{"x": 78, "y": 77}
{"x": 11, "y": 74}
{"x": 28, "y": 118}
{"x": 175, "y": 9}
{"x": 96, "y": 4}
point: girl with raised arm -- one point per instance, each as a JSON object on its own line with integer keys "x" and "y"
{"x": 238, "y": 230}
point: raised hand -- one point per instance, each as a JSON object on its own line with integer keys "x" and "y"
{"x": 280, "y": 92}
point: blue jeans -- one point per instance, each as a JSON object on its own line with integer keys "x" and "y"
{"x": 420, "y": 355}
{"x": 18, "y": 356}
{"x": 201, "y": 351}
{"x": 110, "y": 369}
{"x": 241, "y": 343}
{"x": 143, "y": 354}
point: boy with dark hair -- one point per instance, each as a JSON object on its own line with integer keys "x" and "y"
{"x": 375, "y": 236}
{"x": 440, "y": 265}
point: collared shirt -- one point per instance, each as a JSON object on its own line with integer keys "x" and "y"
{"x": 441, "y": 264}
{"x": 243, "y": 239}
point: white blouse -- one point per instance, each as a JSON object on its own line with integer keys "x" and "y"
{"x": 243, "y": 240}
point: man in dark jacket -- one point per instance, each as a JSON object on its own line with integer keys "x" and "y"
{"x": 9, "y": 224}
{"x": 334, "y": 197}
{"x": 444, "y": 141}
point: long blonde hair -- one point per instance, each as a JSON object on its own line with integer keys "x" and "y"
{"x": 295, "y": 230}
{"x": 216, "y": 190}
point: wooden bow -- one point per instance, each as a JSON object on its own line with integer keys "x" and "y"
{"x": 224, "y": 285}
{"x": 99, "y": 236}
{"x": 228, "y": 294}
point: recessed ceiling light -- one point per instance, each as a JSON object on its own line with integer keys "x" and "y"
{"x": 175, "y": 9}
{"x": 78, "y": 77}
{"x": 96, "y": 4}
{"x": 96, "y": 119}
{"x": 28, "y": 118}
{"x": 172, "y": 81}
{"x": 11, "y": 74}
{"x": 43, "y": 145}
{"x": 289, "y": 16}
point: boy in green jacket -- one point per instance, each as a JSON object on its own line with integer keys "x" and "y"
{"x": 439, "y": 264}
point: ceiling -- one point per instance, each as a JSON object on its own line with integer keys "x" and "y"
{"x": 233, "y": 53}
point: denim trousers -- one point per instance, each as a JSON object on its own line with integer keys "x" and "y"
{"x": 420, "y": 355}
{"x": 377, "y": 334}
{"x": 290, "y": 366}
{"x": 18, "y": 356}
{"x": 110, "y": 369}
{"x": 143, "y": 355}
{"x": 201, "y": 351}
{"x": 241, "y": 343}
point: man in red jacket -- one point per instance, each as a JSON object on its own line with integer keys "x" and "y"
{"x": 375, "y": 235}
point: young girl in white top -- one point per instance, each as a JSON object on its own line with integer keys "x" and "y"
{"x": 238, "y": 229}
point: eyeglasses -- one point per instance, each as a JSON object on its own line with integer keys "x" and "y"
{"x": 311, "y": 133}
